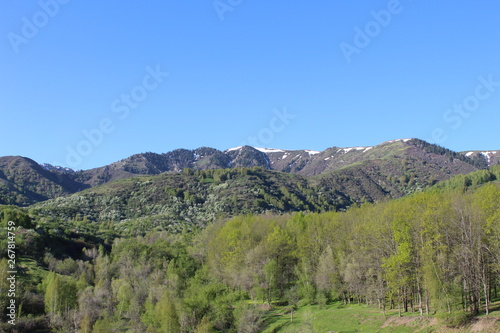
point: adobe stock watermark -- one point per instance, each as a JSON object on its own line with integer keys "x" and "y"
{"x": 363, "y": 36}
{"x": 454, "y": 117}
{"x": 11, "y": 312}
{"x": 223, "y": 6}
{"x": 277, "y": 124}
{"x": 122, "y": 107}
{"x": 31, "y": 25}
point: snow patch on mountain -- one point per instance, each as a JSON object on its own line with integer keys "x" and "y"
{"x": 51, "y": 167}
{"x": 235, "y": 148}
{"x": 269, "y": 150}
{"x": 346, "y": 150}
{"x": 364, "y": 149}
{"x": 488, "y": 155}
{"x": 403, "y": 140}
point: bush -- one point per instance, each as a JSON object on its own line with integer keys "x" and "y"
{"x": 454, "y": 319}
{"x": 248, "y": 319}
{"x": 11, "y": 213}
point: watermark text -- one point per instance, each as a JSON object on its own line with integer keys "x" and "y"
{"x": 277, "y": 124}
{"x": 31, "y": 26}
{"x": 11, "y": 272}
{"x": 122, "y": 107}
{"x": 454, "y": 116}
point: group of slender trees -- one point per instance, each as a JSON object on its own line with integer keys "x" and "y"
{"x": 430, "y": 252}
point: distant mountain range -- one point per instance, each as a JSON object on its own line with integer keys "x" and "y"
{"x": 393, "y": 168}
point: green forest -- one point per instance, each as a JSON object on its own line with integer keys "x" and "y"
{"x": 434, "y": 253}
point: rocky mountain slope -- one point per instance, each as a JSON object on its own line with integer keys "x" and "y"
{"x": 379, "y": 170}
{"x": 491, "y": 157}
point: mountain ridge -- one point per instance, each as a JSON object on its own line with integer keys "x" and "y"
{"x": 26, "y": 182}
{"x": 201, "y": 154}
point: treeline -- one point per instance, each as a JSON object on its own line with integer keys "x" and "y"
{"x": 474, "y": 179}
{"x": 478, "y": 161}
{"x": 432, "y": 253}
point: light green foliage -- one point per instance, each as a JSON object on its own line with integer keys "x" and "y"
{"x": 103, "y": 326}
{"x": 124, "y": 292}
{"x": 400, "y": 268}
{"x": 60, "y": 293}
{"x": 326, "y": 272}
{"x": 166, "y": 314}
{"x": 15, "y": 214}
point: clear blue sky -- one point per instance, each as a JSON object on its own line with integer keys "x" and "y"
{"x": 68, "y": 69}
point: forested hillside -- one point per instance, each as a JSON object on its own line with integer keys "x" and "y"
{"x": 434, "y": 253}
{"x": 190, "y": 199}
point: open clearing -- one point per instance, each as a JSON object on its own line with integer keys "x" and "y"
{"x": 340, "y": 318}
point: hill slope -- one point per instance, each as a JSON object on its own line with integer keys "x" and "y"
{"x": 23, "y": 181}
{"x": 178, "y": 200}
{"x": 195, "y": 198}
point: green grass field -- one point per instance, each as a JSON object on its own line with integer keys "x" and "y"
{"x": 29, "y": 271}
{"x": 360, "y": 318}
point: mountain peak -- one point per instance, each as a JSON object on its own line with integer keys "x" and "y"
{"x": 398, "y": 140}
{"x": 51, "y": 167}
{"x": 269, "y": 150}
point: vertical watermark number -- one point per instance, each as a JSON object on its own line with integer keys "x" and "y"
{"x": 11, "y": 272}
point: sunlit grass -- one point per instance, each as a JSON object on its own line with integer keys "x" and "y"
{"x": 338, "y": 318}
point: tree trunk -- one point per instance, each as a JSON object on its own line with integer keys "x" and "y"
{"x": 427, "y": 303}
{"x": 420, "y": 305}
{"x": 400, "y": 300}
{"x": 486, "y": 290}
